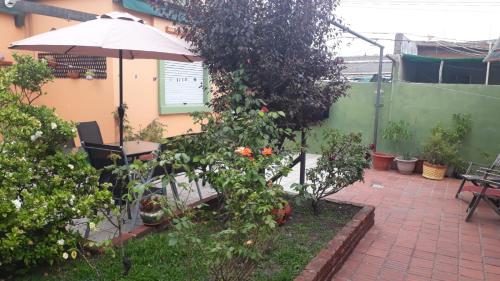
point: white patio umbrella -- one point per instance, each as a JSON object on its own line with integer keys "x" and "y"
{"x": 115, "y": 34}
{"x": 494, "y": 54}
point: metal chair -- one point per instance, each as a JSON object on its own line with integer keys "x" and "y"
{"x": 89, "y": 132}
{"x": 168, "y": 169}
{"x": 475, "y": 173}
{"x": 486, "y": 190}
{"x": 99, "y": 156}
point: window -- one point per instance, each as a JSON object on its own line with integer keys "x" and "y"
{"x": 183, "y": 87}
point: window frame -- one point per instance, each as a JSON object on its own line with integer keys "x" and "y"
{"x": 165, "y": 109}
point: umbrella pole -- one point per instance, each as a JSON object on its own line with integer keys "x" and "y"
{"x": 121, "y": 109}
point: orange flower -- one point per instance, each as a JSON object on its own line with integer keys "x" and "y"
{"x": 267, "y": 151}
{"x": 246, "y": 152}
{"x": 264, "y": 109}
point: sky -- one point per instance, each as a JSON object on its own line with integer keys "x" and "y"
{"x": 450, "y": 20}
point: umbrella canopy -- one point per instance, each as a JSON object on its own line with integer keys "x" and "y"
{"x": 494, "y": 54}
{"x": 115, "y": 34}
{"x": 106, "y": 36}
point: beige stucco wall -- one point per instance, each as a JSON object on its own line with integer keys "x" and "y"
{"x": 83, "y": 100}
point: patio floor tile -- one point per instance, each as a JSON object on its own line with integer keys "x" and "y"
{"x": 420, "y": 232}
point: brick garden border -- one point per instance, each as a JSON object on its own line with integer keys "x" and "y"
{"x": 330, "y": 259}
{"x": 320, "y": 268}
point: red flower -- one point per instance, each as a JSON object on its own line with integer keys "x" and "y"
{"x": 372, "y": 146}
{"x": 267, "y": 151}
{"x": 264, "y": 109}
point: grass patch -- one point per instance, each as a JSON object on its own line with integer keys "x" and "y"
{"x": 295, "y": 244}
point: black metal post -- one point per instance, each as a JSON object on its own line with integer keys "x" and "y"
{"x": 303, "y": 157}
{"x": 121, "y": 109}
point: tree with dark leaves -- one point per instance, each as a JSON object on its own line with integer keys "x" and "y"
{"x": 279, "y": 51}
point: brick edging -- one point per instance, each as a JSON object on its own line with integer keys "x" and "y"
{"x": 330, "y": 259}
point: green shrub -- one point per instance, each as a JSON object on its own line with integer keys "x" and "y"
{"x": 443, "y": 146}
{"x": 42, "y": 189}
{"x": 399, "y": 134}
{"x": 438, "y": 149}
{"x": 341, "y": 164}
{"x": 240, "y": 147}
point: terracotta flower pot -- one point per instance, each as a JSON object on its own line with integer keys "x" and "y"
{"x": 433, "y": 172}
{"x": 282, "y": 215}
{"x": 73, "y": 74}
{"x": 382, "y": 161}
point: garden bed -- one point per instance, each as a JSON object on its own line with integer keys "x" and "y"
{"x": 293, "y": 253}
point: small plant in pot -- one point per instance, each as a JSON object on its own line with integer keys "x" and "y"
{"x": 439, "y": 153}
{"x": 398, "y": 133}
{"x": 152, "y": 209}
{"x": 89, "y": 74}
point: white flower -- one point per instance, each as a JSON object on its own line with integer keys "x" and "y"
{"x": 17, "y": 203}
{"x": 60, "y": 242}
{"x": 65, "y": 255}
{"x": 53, "y": 126}
{"x": 92, "y": 226}
{"x": 71, "y": 167}
{"x": 73, "y": 130}
{"x": 36, "y": 136}
{"x": 72, "y": 199}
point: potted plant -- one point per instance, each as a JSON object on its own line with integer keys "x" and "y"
{"x": 151, "y": 210}
{"x": 51, "y": 61}
{"x": 439, "y": 153}
{"x": 73, "y": 74}
{"x": 282, "y": 215}
{"x": 398, "y": 133}
{"x": 380, "y": 160}
{"x": 89, "y": 74}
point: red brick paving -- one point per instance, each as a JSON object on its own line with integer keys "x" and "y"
{"x": 420, "y": 233}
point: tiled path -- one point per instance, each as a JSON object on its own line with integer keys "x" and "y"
{"x": 420, "y": 232}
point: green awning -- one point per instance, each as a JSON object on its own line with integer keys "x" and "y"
{"x": 171, "y": 11}
{"x": 415, "y": 58}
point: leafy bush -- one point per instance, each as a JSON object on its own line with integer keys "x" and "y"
{"x": 443, "y": 146}
{"x": 341, "y": 164}
{"x": 438, "y": 150}
{"x": 42, "y": 189}
{"x": 240, "y": 147}
{"x": 398, "y": 133}
{"x": 31, "y": 75}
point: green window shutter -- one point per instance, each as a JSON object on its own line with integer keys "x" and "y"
{"x": 171, "y": 99}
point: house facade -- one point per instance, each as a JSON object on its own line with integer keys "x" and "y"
{"x": 153, "y": 90}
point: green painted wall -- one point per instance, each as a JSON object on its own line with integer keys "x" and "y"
{"x": 423, "y": 106}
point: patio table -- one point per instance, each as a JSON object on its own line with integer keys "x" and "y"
{"x": 135, "y": 149}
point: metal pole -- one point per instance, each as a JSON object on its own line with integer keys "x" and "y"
{"x": 121, "y": 109}
{"x": 487, "y": 80}
{"x": 441, "y": 65}
{"x": 303, "y": 157}
{"x": 379, "y": 80}
{"x": 377, "y": 102}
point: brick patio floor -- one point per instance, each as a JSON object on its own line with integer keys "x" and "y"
{"x": 420, "y": 232}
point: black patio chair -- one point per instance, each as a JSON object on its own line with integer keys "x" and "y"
{"x": 476, "y": 173}
{"x": 89, "y": 132}
{"x": 100, "y": 158}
